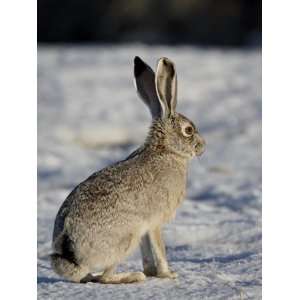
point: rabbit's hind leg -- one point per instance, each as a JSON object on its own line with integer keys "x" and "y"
{"x": 108, "y": 276}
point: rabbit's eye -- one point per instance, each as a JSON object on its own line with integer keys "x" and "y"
{"x": 188, "y": 131}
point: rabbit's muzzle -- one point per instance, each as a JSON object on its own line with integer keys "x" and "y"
{"x": 199, "y": 146}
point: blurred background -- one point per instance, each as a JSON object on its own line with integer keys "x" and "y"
{"x": 199, "y": 22}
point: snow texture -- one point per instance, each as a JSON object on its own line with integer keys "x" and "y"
{"x": 89, "y": 116}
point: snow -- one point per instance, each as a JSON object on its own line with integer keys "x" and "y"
{"x": 89, "y": 116}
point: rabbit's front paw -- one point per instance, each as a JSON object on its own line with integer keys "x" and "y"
{"x": 169, "y": 274}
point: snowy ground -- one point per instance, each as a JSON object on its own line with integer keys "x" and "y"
{"x": 89, "y": 116}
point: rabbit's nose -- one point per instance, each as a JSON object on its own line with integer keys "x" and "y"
{"x": 200, "y": 145}
{"x": 202, "y": 142}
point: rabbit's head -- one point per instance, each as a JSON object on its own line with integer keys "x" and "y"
{"x": 170, "y": 130}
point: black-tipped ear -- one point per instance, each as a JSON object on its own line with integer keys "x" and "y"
{"x": 139, "y": 66}
{"x": 145, "y": 85}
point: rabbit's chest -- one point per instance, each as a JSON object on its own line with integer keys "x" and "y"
{"x": 166, "y": 191}
{"x": 172, "y": 198}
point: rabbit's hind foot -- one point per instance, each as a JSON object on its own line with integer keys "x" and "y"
{"x": 109, "y": 277}
{"x": 129, "y": 277}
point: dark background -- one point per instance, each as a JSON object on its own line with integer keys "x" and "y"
{"x": 199, "y": 22}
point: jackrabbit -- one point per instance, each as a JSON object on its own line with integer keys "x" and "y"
{"x": 106, "y": 216}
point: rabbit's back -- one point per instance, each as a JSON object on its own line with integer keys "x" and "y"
{"x": 95, "y": 200}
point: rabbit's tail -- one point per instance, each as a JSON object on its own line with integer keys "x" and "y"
{"x": 68, "y": 269}
{"x": 65, "y": 263}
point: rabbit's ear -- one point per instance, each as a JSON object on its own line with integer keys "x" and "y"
{"x": 166, "y": 84}
{"x": 145, "y": 85}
